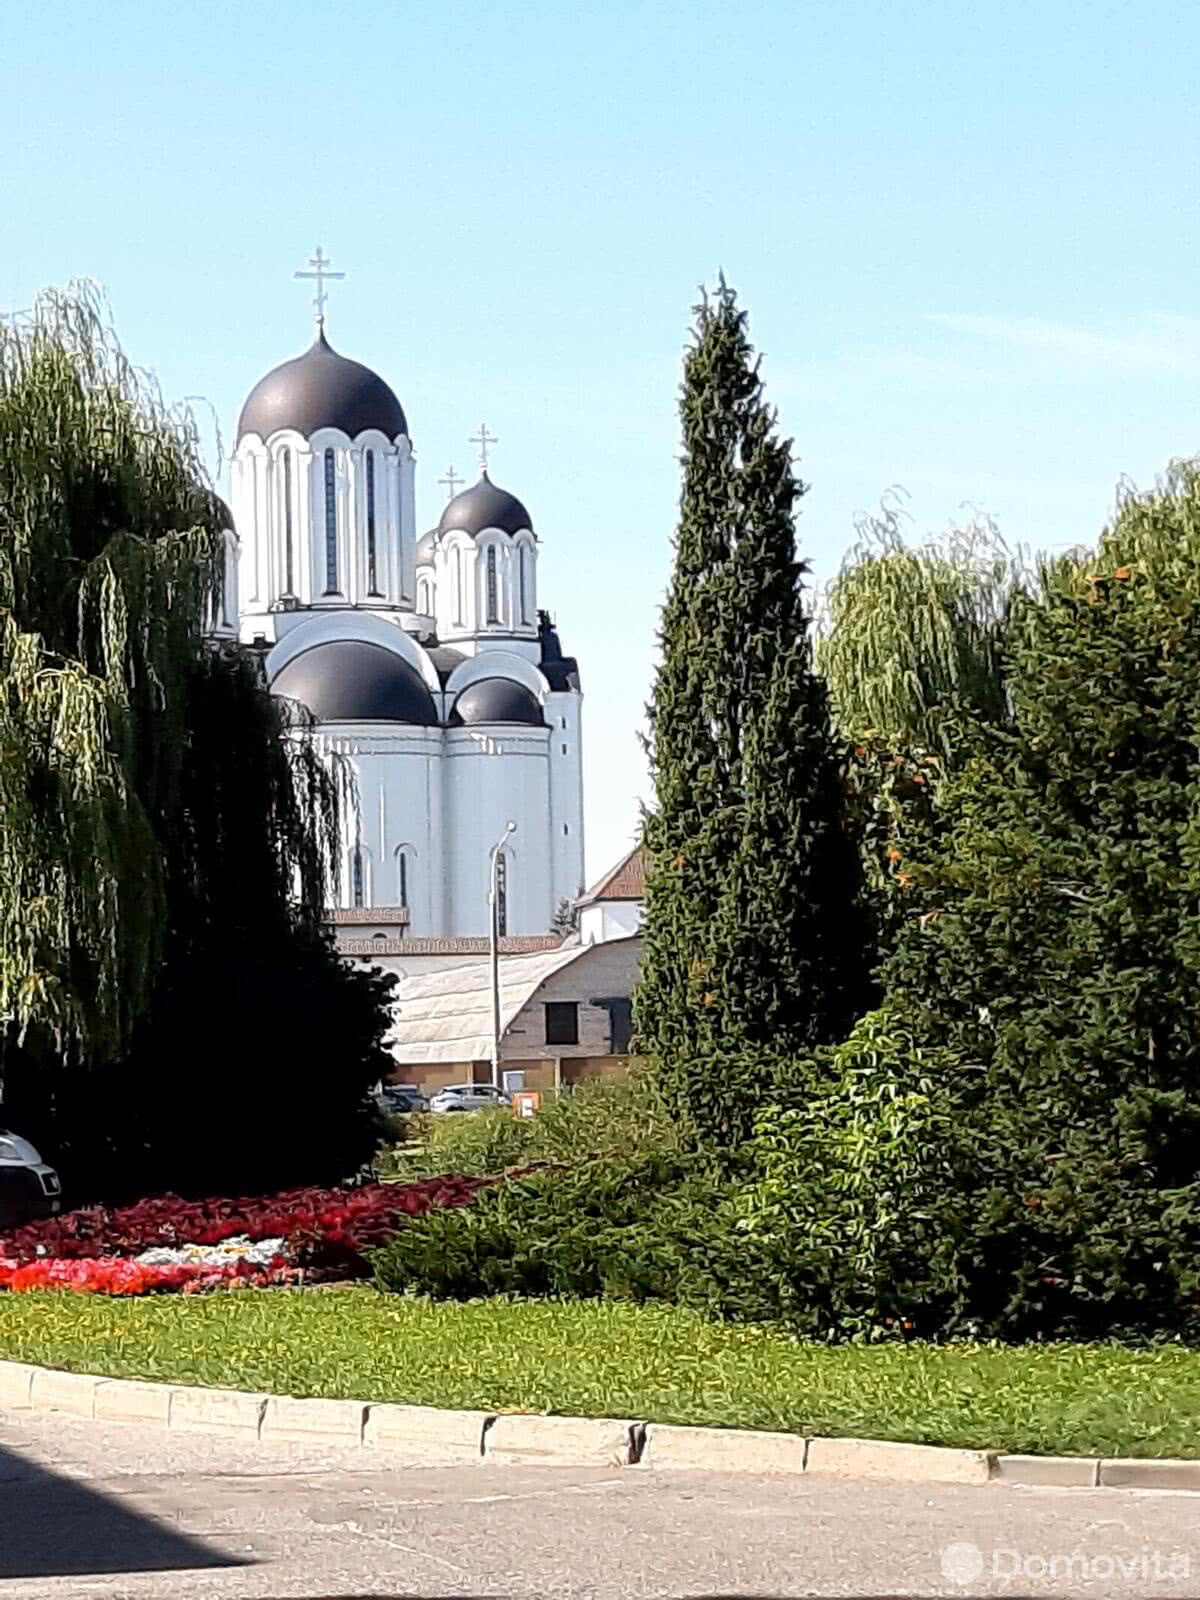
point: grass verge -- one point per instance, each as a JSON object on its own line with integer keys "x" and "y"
{"x": 596, "y": 1359}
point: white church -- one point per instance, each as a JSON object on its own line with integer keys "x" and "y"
{"x": 425, "y": 662}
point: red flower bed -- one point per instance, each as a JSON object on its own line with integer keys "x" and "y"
{"x": 325, "y": 1228}
{"x": 119, "y": 1276}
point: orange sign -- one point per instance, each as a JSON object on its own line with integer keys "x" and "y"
{"x": 526, "y": 1102}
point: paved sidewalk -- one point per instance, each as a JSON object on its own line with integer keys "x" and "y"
{"x": 93, "y": 1510}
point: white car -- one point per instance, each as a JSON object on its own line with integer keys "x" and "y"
{"x": 468, "y": 1097}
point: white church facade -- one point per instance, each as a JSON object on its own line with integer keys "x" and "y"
{"x": 429, "y": 669}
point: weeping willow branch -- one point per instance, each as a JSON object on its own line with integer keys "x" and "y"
{"x": 913, "y": 637}
{"x": 150, "y": 790}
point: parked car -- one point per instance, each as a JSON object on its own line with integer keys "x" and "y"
{"x": 398, "y": 1099}
{"x": 468, "y": 1097}
{"x": 29, "y": 1189}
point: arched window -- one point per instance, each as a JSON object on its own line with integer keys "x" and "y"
{"x": 523, "y": 579}
{"x": 458, "y": 588}
{"x": 402, "y": 877}
{"x": 372, "y": 568}
{"x": 331, "y": 564}
{"x": 501, "y": 895}
{"x": 493, "y": 598}
{"x": 356, "y": 876}
{"x": 289, "y": 565}
{"x": 424, "y": 602}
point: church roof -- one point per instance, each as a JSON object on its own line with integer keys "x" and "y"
{"x": 482, "y": 506}
{"x": 351, "y": 680}
{"x": 426, "y": 545}
{"x": 496, "y": 700}
{"x": 321, "y": 389}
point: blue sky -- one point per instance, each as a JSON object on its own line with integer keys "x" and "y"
{"x": 967, "y": 237}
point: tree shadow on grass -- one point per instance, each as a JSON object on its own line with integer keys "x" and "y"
{"x": 52, "y": 1526}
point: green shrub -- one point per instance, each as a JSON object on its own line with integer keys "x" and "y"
{"x": 618, "y": 1116}
{"x": 640, "y": 1229}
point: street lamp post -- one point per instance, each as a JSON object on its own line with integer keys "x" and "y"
{"x": 494, "y": 942}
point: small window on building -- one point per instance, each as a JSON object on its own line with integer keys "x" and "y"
{"x": 566, "y": 827}
{"x": 524, "y": 580}
{"x": 356, "y": 876}
{"x": 372, "y": 568}
{"x": 501, "y": 895}
{"x": 331, "y": 572}
{"x": 620, "y": 1026}
{"x": 402, "y": 879}
{"x": 493, "y": 597}
{"x": 458, "y": 588}
{"x": 562, "y": 1022}
{"x": 564, "y": 749}
{"x": 289, "y": 567}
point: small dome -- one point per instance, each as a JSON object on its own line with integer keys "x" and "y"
{"x": 496, "y": 700}
{"x": 484, "y": 506}
{"x": 351, "y": 680}
{"x": 321, "y": 389}
{"x": 426, "y": 545}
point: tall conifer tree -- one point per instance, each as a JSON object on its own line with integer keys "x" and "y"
{"x": 752, "y": 945}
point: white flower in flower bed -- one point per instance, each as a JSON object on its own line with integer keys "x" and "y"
{"x": 259, "y": 1254}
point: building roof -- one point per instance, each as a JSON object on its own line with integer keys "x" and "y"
{"x": 496, "y": 700}
{"x": 446, "y": 1015}
{"x": 353, "y": 680}
{"x": 482, "y": 506}
{"x": 321, "y": 389}
{"x": 625, "y": 881}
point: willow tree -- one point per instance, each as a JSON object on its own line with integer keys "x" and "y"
{"x": 153, "y": 806}
{"x": 752, "y": 950}
{"x": 914, "y": 636}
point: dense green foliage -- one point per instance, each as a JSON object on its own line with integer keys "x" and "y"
{"x": 752, "y": 943}
{"x": 601, "y": 1359}
{"x": 1040, "y": 995}
{"x": 165, "y": 838}
{"x": 619, "y": 1228}
{"x": 613, "y": 1116}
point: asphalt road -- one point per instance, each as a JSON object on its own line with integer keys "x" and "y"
{"x": 90, "y": 1510}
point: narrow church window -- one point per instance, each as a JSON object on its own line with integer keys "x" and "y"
{"x": 493, "y": 611}
{"x": 403, "y": 871}
{"x": 458, "y": 587}
{"x": 501, "y": 895}
{"x": 523, "y": 574}
{"x": 289, "y": 572}
{"x": 372, "y": 573}
{"x": 356, "y": 875}
{"x": 331, "y": 572}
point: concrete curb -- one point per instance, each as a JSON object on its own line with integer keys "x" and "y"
{"x": 469, "y": 1436}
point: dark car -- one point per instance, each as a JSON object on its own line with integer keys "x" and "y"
{"x": 400, "y": 1098}
{"x": 29, "y": 1189}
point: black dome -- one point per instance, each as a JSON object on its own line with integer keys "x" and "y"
{"x": 350, "y": 680}
{"x": 496, "y": 700}
{"x": 426, "y": 545}
{"x": 321, "y": 389}
{"x": 485, "y": 506}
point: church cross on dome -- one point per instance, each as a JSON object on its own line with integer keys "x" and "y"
{"x": 452, "y": 481}
{"x": 483, "y": 438}
{"x": 321, "y": 264}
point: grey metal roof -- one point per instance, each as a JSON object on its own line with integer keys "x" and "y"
{"x": 321, "y": 389}
{"x": 350, "y": 680}
{"x": 426, "y": 545}
{"x": 482, "y": 506}
{"x": 496, "y": 700}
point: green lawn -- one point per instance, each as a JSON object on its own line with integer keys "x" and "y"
{"x": 616, "y": 1360}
